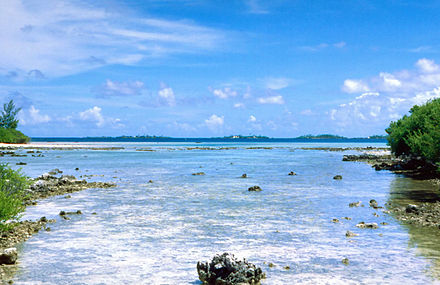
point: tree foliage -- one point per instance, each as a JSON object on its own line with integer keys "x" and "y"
{"x": 9, "y": 123}
{"x": 12, "y": 136}
{"x": 12, "y": 194}
{"x": 419, "y": 133}
{"x": 8, "y": 118}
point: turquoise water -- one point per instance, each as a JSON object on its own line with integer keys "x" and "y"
{"x": 154, "y": 233}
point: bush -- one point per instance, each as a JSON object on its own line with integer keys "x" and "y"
{"x": 12, "y": 194}
{"x": 12, "y": 136}
{"x": 419, "y": 133}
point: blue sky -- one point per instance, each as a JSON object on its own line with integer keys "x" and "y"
{"x": 193, "y": 68}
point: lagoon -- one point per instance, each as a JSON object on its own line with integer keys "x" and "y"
{"x": 154, "y": 233}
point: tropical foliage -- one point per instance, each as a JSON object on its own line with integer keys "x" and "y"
{"x": 9, "y": 123}
{"x": 12, "y": 194}
{"x": 419, "y": 133}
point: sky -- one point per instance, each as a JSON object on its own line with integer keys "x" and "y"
{"x": 208, "y": 68}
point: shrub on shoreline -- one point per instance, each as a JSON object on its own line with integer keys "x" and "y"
{"x": 12, "y": 194}
{"x": 9, "y": 123}
{"x": 419, "y": 133}
{"x": 12, "y": 136}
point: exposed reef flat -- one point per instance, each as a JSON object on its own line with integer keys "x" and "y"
{"x": 56, "y": 146}
{"x": 49, "y": 185}
{"x": 45, "y": 186}
{"x": 411, "y": 166}
{"x": 426, "y": 211}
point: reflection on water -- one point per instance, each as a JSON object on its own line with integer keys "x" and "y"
{"x": 404, "y": 191}
{"x": 426, "y": 240}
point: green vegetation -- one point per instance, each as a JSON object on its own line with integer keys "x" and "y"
{"x": 323, "y": 136}
{"x": 9, "y": 123}
{"x": 419, "y": 133}
{"x": 12, "y": 194}
{"x": 12, "y": 136}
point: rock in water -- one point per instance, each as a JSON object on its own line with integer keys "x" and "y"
{"x": 8, "y": 256}
{"x": 373, "y": 204}
{"x": 412, "y": 209}
{"x": 226, "y": 269}
{"x": 255, "y": 188}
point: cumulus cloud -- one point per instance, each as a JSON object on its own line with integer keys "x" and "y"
{"x": 278, "y": 99}
{"x": 427, "y": 65}
{"x": 409, "y": 82}
{"x": 65, "y": 37}
{"x": 387, "y": 96}
{"x": 114, "y": 88}
{"x": 224, "y": 93}
{"x": 32, "y": 116}
{"x": 354, "y": 86}
{"x": 239, "y": 105}
{"x": 214, "y": 122}
{"x": 94, "y": 115}
{"x": 167, "y": 95}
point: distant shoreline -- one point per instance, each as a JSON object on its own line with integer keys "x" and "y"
{"x": 202, "y": 140}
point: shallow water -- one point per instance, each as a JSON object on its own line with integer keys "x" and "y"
{"x": 154, "y": 233}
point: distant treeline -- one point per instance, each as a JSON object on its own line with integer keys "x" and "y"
{"x": 326, "y": 138}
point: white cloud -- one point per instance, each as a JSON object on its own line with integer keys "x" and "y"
{"x": 93, "y": 115}
{"x": 32, "y": 116}
{"x": 252, "y": 119}
{"x": 323, "y": 46}
{"x": 66, "y": 37}
{"x": 224, "y": 93}
{"x": 113, "y": 88}
{"x": 239, "y": 105}
{"x": 423, "y": 97}
{"x": 214, "y": 122}
{"x": 167, "y": 94}
{"x": 354, "y": 86}
{"x": 427, "y": 65}
{"x": 271, "y": 100}
{"x": 276, "y": 83}
{"x": 391, "y": 95}
{"x": 390, "y": 82}
{"x": 409, "y": 82}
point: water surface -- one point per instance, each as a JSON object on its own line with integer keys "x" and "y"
{"x": 154, "y": 233}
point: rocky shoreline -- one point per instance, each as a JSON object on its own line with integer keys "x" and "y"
{"x": 423, "y": 213}
{"x": 47, "y": 185}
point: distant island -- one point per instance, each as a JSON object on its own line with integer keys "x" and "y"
{"x": 330, "y": 137}
{"x": 250, "y": 138}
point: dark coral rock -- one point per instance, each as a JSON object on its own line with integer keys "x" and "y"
{"x": 255, "y": 188}
{"x": 226, "y": 269}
